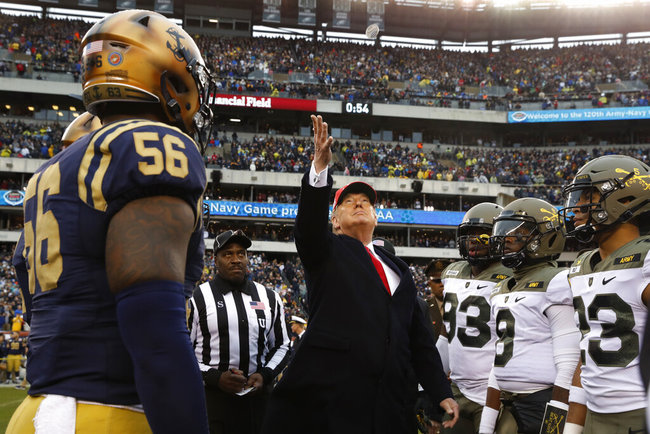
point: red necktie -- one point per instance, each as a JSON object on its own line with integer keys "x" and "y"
{"x": 380, "y": 270}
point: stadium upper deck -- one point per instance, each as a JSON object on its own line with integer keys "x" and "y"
{"x": 342, "y": 76}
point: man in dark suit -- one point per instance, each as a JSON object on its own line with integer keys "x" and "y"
{"x": 366, "y": 335}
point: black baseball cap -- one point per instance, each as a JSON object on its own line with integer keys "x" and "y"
{"x": 237, "y": 236}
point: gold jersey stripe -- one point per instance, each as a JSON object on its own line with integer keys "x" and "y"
{"x": 99, "y": 202}
{"x": 88, "y": 158}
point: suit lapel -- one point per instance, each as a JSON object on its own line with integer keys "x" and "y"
{"x": 390, "y": 260}
{"x": 396, "y": 264}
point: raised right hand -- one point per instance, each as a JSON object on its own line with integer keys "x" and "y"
{"x": 322, "y": 144}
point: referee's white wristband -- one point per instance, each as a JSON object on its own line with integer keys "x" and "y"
{"x": 577, "y": 395}
{"x": 572, "y": 428}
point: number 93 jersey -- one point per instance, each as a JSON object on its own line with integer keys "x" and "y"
{"x": 524, "y": 348}
{"x": 469, "y": 325}
{"x": 75, "y": 344}
{"x": 612, "y": 317}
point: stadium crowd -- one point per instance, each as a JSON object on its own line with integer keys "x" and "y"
{"x": 337, "y": 70}
{"x": 538, "y": 172}
{"x": 24, "y": 140}
{"x": 10, "y": 301}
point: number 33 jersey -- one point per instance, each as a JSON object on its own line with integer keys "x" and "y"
{"x": 75, "y": 344}
{"x": 612, "y": 317}
{"x": 469, "y": 325}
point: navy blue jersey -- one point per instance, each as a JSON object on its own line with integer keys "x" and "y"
{"x": 16, "y": 347}
{"x": 75, "y": 344}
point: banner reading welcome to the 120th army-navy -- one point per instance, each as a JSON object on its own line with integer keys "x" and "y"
{"x": 579, "y": 115}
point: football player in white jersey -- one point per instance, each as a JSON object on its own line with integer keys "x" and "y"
{"x": 611, "y": 291}
{"x": 470, "y": 333}
{"x": 537, "y": 346}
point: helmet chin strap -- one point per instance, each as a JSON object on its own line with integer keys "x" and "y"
{"x": 479, "y": 260}
{"x": 514, "y": 260}
{"x": 588, "y": 231}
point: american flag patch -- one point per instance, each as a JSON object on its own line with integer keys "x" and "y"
{"x": 93, "y": 47}
{"x": 257, "y": 305}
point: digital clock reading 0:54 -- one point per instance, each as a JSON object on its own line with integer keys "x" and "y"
{"x": 357, "y": 108}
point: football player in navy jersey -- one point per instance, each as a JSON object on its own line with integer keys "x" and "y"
{"x": 84, "y": 123}
{"x": 107, "y": 236}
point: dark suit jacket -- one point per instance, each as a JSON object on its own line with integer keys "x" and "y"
{"x": 351, "y": 372}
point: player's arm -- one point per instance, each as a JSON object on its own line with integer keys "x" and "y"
{"x": 442, "y": 344}
{"x": 492, "y": 405}
{"x": 566, "y": 354}
{"x": 146, "y": 247}
{"x": 645, "y": 296}
{"x": 566, "y": 348}
{"x": 575, "y": 420}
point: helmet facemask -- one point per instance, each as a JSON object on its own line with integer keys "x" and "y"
{"x": 512, "y": 238}
{"x": 582, "y": 210}
{"x": 202, "y": 119}
{"x": 585, "y": 210}
{"x": 473, "y": 243}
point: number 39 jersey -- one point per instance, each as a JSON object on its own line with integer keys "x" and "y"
{"x": 469, "y": 325}
{"x": 612, "y": 317}
{"x": 75, "y": 344}
{"x": 524, "y": 349}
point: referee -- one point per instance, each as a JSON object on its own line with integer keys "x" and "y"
{"x": 240, "y": 339}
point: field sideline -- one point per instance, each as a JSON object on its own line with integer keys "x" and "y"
{"x": 10, "y": 398}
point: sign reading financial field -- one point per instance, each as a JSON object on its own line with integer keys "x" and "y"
{"x": 263, "y": 102}
{"x": 579, "y": 115}
{"x": 289, "y": 211}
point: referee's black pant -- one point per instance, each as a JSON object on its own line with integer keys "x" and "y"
{"x": 232, "y": 414}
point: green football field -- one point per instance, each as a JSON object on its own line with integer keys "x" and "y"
{"x": 10, "y": 398}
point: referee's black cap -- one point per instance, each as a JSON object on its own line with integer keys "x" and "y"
{"x": 237, "y": 236}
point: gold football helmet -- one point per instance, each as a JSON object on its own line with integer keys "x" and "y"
{"x": 527, "y": 231}
{"x": 141, "y": 56}
{"x": 605, "y": 192}
{"x": 84, "y": 123}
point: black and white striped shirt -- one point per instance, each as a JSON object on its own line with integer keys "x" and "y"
{"x": 239, "y": 328}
